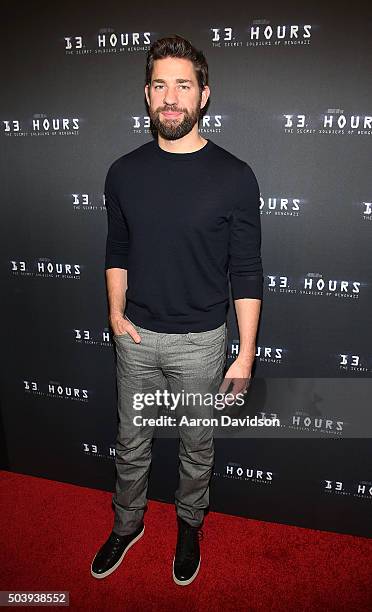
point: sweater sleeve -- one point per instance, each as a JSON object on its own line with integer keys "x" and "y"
{"x": 245, "y": 265}
{"x": 117, "y": 241}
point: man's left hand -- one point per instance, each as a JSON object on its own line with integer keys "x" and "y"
{"x": 239, "y": 374}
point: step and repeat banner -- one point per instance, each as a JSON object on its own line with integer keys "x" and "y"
{"x": 291, "y": 95}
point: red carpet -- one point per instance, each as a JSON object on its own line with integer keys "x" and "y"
{"x": 50, "y": 531}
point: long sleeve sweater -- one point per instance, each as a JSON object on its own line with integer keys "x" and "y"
{"x": 182, "y": 225}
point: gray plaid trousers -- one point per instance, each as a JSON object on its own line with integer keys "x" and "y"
{"x": 191, "y": 362}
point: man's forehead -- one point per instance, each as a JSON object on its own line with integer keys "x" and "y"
{"x": 176, "y": 68}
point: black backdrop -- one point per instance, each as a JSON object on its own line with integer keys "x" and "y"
{"x": 291, "y": 95}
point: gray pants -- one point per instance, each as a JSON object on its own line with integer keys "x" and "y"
{"x": 191, "y": 362}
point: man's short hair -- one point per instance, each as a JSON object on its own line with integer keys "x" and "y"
{"x": 177, "y": 46}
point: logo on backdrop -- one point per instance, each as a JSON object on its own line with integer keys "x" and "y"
{"x": 315, "y": 283}
{"x": 107, "y": 40}
{"x": 305, "y": 422}
{"x": 212, "y": 124}
{"x": 361, "y": 489}
{"x": 262, "y": 33}
{"x": 208, "y": 124}
{"x": 55, "y": 389}
{"x": 85, "y": 202}
{"x": 264, "y": 354}
{"x": 349, "y": 362}
{"x": 367, "y": 211}
{"x": 87, "y": 336}
{"x": 236, "y": 471}
{"x": 44, "y": 267}
{"x": 93, "y": 450}
{"x": 41, "y": 125}
{"x": 334, "y": 121}
{"x": 281, "y": 206}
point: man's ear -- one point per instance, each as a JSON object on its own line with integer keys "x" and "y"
{"x": 205, "y": 95}
{"x": 147, "y": 94}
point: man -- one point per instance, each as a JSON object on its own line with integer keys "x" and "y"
{"x": 183, "y": 216}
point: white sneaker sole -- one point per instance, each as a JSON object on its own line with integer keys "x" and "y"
{"x": 189, "y": 581}
{"x": 114, "y": 567}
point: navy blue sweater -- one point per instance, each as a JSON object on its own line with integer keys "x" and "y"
{"x": 182, "y": 225}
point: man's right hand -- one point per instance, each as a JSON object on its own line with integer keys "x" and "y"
{"x": 121, "y": 326}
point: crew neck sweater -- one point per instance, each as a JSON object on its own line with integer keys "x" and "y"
{"x": 183, "y": 225}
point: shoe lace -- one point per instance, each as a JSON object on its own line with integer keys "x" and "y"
{"x": 115, "y": 542}
{"x": 187, "y": 551}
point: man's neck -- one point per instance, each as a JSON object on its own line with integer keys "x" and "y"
{"x": 182, "y": 145}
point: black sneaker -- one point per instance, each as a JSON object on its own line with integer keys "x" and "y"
{"x": 113, "y": 551}
{"x": 186, "y": 562}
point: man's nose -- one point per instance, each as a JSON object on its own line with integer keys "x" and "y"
{"x": 170, "y": 97}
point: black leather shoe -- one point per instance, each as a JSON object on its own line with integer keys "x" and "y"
{"x": 113, "y": 551}
{"x": 186, "y": 562}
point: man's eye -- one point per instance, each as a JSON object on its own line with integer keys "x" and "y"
{"x": 184, "y": 86}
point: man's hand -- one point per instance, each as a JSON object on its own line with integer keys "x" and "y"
{"x": 239, "y": 374}
{"x": 120, "y": 326}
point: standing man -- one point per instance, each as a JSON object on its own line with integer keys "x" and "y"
{"x": 183, "y": 217}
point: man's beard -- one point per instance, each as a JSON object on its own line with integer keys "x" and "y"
{"x": 173, "y": 129}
